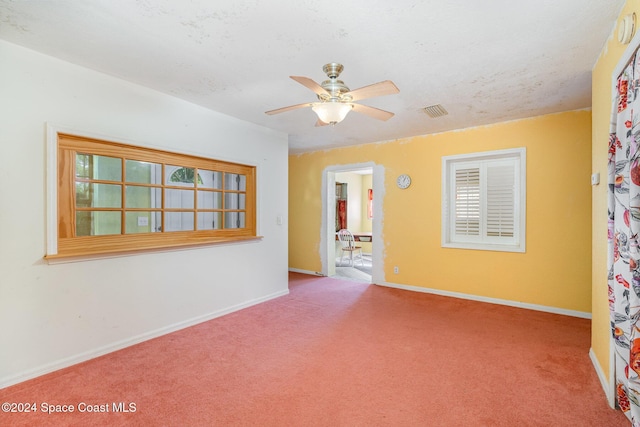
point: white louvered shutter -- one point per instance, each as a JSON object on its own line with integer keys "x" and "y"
{"x": 500, "y": 200}
{"x": 467, "y": 202}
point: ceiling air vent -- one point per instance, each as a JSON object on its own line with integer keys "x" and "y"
{"x": 434, "y": 111}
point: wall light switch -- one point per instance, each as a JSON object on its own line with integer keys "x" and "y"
{"x": 595, "y": 178}
{"x": 143, "y": 221}
{"x": 279, "y": 220}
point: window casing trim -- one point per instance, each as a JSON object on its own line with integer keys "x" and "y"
{"x": 55, "y": 252}
{"x": 518, "y": 242}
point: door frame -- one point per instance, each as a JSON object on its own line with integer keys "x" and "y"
{"x": 327, "y": 232}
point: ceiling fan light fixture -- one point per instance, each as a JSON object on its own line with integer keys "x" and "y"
{"x": 331, "y": 112}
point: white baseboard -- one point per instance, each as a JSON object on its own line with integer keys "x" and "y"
{"x": 518, "y": 304}
{"x": 607, "y": 386}
{"x": 119, "y": 345}
{"x": 298, "y": 270}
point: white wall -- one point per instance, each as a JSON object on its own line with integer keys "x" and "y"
{"x": 55, "y": 315}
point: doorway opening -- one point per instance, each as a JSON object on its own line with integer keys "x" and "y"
{"x": 352, "y": 199}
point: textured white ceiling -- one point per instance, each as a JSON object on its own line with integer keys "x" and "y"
{"x": 484, "y": 61}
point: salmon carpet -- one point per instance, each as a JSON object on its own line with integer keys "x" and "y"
{"x": 338, "y": 353}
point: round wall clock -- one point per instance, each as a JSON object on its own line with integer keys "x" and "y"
{"x": 403, "y": 181}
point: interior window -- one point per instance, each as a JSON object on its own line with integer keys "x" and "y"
{"x": 114, "y": 197}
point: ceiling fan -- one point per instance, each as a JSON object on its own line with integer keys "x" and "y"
{"x": 335, "y": 99}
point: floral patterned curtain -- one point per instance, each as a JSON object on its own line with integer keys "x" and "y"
{"x": 623, "y": 230}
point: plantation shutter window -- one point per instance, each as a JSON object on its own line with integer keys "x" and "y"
{"x": 483, "y": 201}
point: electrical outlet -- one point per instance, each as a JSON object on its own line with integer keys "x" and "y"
{"x": 396, "y": 270}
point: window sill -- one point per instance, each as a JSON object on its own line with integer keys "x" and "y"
{"x": 484, "y": 247}
{"x": 88, "y": 255}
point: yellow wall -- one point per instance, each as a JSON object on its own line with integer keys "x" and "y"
{"x": 601, "y": 107}
{"x": 555, "y": 271}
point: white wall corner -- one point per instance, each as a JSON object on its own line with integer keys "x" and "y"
{"x": 607, "y": 386}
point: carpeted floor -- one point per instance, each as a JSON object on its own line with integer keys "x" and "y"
{"x": 340, "y": 353}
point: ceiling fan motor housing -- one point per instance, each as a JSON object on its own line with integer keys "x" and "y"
{"x": 334, "y": 86}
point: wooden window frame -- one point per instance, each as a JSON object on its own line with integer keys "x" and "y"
{"x": 62, "y": 242}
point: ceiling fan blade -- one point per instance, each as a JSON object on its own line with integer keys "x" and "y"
{"x": 310, "y": 84}
{"x": 289, "y": 108}
{"x": 376, "y": 113}
{"x": 386, "y": 87}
